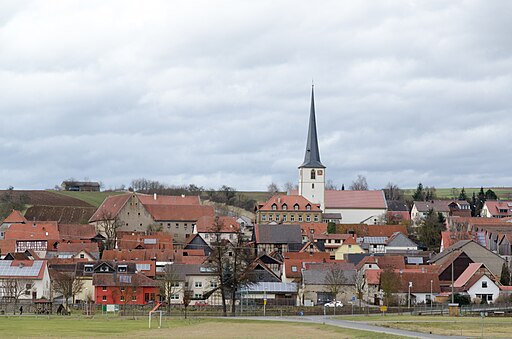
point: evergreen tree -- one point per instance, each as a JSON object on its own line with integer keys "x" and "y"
{"x": 473, "y": 205}
{"x": 480, "y": 201}
{"x": 429, "y": 232}
{"x": 419, "y": 195}
{"x": 490, "y": 195}
{"x": 505, "y": 275}
{"x": 331, "y": 227}
{"x": 462, "y": 195}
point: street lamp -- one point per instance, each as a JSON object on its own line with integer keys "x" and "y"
{"x": 409, "y": 299}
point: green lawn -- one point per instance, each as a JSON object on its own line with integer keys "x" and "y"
{"x": 93, "y": 198}
{"x": 73, "y": 327}
{"x": 494, "y": 327}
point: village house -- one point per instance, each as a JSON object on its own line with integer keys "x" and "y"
{"x": 288, "y": 209}
{"x": 479, "y": 283}
{"x": 24, "y": 280}
{"x": 281, "y": 238}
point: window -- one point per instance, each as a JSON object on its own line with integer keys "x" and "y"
{"x": 300, "y": 217}
{"x": 198, "y": 295}
{"x": 104, "y": 298}
{"x": 122, "y": 298}
{"x": 274, "y": 207}
{"x": 313, "y": 174}
{"x": 88, "y": 268}
{"x": 284, "y": 207}
{"x": 278, "y": 217}
{"x": 284, "y": 217}
{"x": 104, "y": 288}
{"x": 313, "y": 186}
{"x": 263, "y": 217}
{"x": 206, "y": 236}
{"x": 484, "y": 284}
{"x": 296, "y": 207}
{"x": 213, "y": 284}
{"x": 122, "y": 289}
{"x": 134, "y": 298}
{"x": 82, "y": 256}
{"x": 292, "y": 217}
{"x": 316, "y": 218}
{"x": 122, "y": 268}
{"x": 308, "y": 207}
{"x": 308, "y": 218}
{"x": 134, "y": 289}
{"x": 175, "y": 296}
{"x": 138, "y": 214}
{"x": 198, "y": 284}
{"x": 175, "y": 284}
{"x": 270, "y": 217}
{"x": 294, "y": 268}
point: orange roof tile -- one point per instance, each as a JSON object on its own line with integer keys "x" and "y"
{"x": 229, "y": 224}
{"x": 47, "y": 230}
{"x": 147, "y": 199}
{"x": 355, "y": 199}
{"x": 110, "y": 207}
{"x": 179, "y": 212}
{"x": 15, "y": 218}
{"x": 289, "y": 201}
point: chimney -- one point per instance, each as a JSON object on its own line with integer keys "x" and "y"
{"x": 154, "y": 196}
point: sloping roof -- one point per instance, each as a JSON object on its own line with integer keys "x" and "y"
{"x": 179, "y": 212}
{"x": 318, "y": 275}
{"x": 313, "y": 229}
{"x": 110, "y": 207}
{"x": 33, "y": 231}
{"x": 436, "y": 205}
{"x": 228, "y": 224}
{"x": 158, "y": 240}
{"x": 397, "y": 206}
{"x": 372, "y": 276}
{"x": 91, "y": 247}
{"x": 371, "y": 230}
{"x": 123, "y": 279}
{"x": 278, "y": 234}
{"x": 280, "y": 200}
{"x": 384, "y": 261}
{"x": 15, "y": 218}
{"x": 77, "y": 231}
{"x": 420, "y": 282}
{"x": 400, "y": 240}
{"x": 355, "y": 199}
{"x": 312, "y": 154}
{"x": 495, "y": 207}
{"x": 147, "y": 199}
{"x": 143, "y": 254}
{"x": 467, "y": 274}
{"x": 23, "y": 269}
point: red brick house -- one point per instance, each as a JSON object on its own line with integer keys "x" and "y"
{"x": 131, "y": 289}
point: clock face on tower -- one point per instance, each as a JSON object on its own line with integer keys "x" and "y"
{"x": 319, "y": 172}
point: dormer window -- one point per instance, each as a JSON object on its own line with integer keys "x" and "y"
{"x": 296, "y": 207}
{"x": 285, "y": 207}
{"x": 313, "y": 174}
{"x": 122, "y": 268}
{"x": 308, "y": 207}
{"x": 274, "y": 207}
{"x": 88, "y": 268}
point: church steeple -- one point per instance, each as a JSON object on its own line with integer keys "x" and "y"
{"x": 312, "y": 155}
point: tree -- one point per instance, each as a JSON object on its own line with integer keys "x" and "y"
{"x": 490, "y": 195}
{"x": 389, "y": 282}
{"x": 217, "y": 260}
{"x": 288, "y": 187}
{"x": 272, "y": 189}
{"x": 334, "y": 280}
{"x": 10, "y": 201}
{"x": 473, "y": 205}
{"x": 331, "y": 227}
{"x": 169, "y": 284}
{"x": 429, "y": 232}
{"x": 505, "y": 275}
{"x": 67, "y": 284}
{"x": 154, "y": 228}
{"x": 360, "y": 283}
{"x": 330, "y": 185}
{"x": 187, "y": 298}
{"x": 462, "y": 195}
{"x": 359, "y": 184}
{"x": 430, "y": 193}
{"x": 419, "y": 194}
{"x": 392, "y": 192}
{"x": 12, "y": 289}
{"x": 480, "y": 201}
{"x": 108, "y": 225}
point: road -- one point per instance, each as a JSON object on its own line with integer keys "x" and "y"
{"x": 356, "y": 325}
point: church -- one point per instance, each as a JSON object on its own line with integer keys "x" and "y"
{"x": 339, "y": 206}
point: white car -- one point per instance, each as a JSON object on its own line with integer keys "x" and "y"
{"x": 334, "y": 303}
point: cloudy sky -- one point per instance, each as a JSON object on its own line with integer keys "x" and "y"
{"x": 218, "y": 92}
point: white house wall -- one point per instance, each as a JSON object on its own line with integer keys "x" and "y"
{"x": 356, "y": 216}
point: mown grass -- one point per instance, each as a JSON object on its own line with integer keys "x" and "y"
{"x": 115, "y": 327}
{"x": 494, "y": 327}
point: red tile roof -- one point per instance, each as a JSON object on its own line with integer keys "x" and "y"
{"x": 384, "y": 262}
{"x": 313, "y": 229}
{"x": 355, "y": 199}
{"x": 15, "y": 218}
{"x": 7, "y": 245}
{"x": 47, "y": 230}
{"x": 469, "y": 272}
{"x": 77, "y": 231}
{"x": 131, "y": 255}
{"x": 110, "y": 207}
{"x": 229, "y": 224}
{"x": 372, "y": 276}
{"x": 168, "y": 199}
{"x": 420, "y": 282}
{"x": 179, "y": 212}
{"x": 91, "y": 247}
{"x": 289, "y": 201}
{"x": 158, "y": 240}
{"x": 494, "y": 208}
{"x": 363, "y": 230}
{"x": 115, "y": 279}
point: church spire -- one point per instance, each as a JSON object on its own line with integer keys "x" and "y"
{"x": 312, "y": 155}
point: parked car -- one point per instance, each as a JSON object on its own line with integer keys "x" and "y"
{"x": 334, "y": 303}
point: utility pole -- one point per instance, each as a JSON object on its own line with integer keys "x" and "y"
{"x": 453, "y": 300}
{"x": 431, "y": 296}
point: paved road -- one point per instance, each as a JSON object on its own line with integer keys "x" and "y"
{"x": 356, "y": 325}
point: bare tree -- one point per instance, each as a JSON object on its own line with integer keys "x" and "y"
{"x": 359, "y": 184}
{"x": 360, "y": 283}
{"x": 217, "y": 259}
{"x": 67, "y": 284}
{"x": 392, "y": 192}
{"x": 334, "y": 280}
{"x": 169, "y": 284}
{"x": 389, "y": 282}
{"x": 12, "y": 289}
{"x": 288, "y": 187}
{"x": 272, "y": 189}
{"x": 187, "y": 298}
{"x": 330, "y": 185}
{"x": 108, "y": 225}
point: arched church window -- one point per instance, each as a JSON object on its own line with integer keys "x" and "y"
{"x": 313, "y": 174}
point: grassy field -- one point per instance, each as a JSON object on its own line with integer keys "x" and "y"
{"x": 494, "y": 327}
{"x": 72, "y": 327}
{"x": 93, "y": 198}
{"x": 449, "y": 193}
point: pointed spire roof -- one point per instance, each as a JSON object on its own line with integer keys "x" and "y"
{"x": 312, "y": 155}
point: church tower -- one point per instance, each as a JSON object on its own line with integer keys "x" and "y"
{"x": 312, "y": 172}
